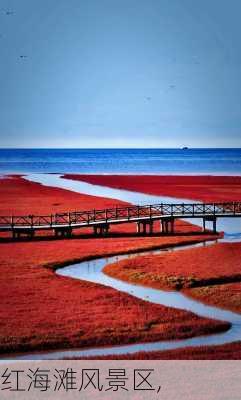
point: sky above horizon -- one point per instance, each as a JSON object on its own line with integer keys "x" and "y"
{"x": 120, "y": 73}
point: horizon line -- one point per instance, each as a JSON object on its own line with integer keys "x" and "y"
{"x": 120, "y": 148}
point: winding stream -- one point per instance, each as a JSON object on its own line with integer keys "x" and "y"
{"x": 91, "y": 271}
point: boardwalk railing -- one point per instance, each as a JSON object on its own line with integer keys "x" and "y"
{"x": 116, "y": 215}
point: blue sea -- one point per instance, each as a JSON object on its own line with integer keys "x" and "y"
{"x": 122, "y": 161}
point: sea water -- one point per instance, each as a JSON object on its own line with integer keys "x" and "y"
{"x": 122, "y": 161}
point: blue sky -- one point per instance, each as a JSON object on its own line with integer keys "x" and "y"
{"x": 120, "y": 73}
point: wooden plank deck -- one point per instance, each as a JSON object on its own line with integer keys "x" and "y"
{"x": 101, "y": 220}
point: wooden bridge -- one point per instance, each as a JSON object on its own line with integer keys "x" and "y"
{"x": 63, "y": 224}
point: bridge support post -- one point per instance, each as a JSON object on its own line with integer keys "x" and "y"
{"x": 16, "y": 233}
{"x": 105, "y": 229}
{"x": 32, "y": 233}
{"x": 68, "y": 232}
{"x": 96, "y": 230}
{"x": 164, "y": 226}
{"x": 56, "y": 232}
{"x": 214, "y": 225}
{"x": 144, "y": 227}
{"x": 204, "y": 225}
{"x": 141, "y": 228}
{"x": 63, "y": 232}
{"x": 172, "y": 225}
{"x": 150, "y": 227}
{"x": 167, "y": 225}
{"x": 161, "y": 225}
{"x": 213, "y": 220}
{"x": 100, "y": 230}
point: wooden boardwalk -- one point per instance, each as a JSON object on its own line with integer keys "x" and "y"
{"x": 63, "y": 224}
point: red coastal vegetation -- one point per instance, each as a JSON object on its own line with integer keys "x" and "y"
{"x": 227, "y": 296}
{"x": 206, "y": 267}
{"x": 190, "y": 268}
{"x": 19, "y": 196}
{"x": 201, "y": 188}
{"x": 22, "y": 197}
{"x": 211, "y": 268}
{"x": 204, "y": 273}
{"x": 41, "y": 310}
